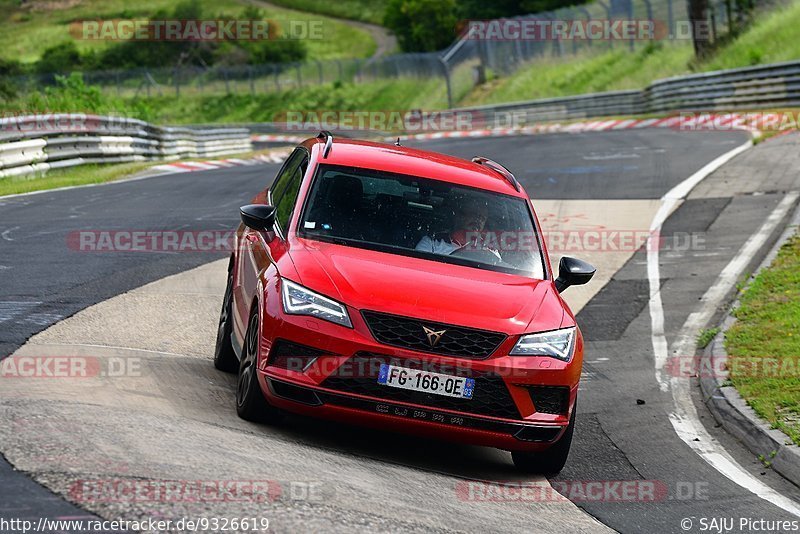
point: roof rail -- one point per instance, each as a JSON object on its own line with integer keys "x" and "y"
{"x": 328, "y": 137}
{"x": 499, "y": 169}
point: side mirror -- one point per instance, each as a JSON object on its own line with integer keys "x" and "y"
{"x": 259, "y": 217}
{"x": 573, "y": 272}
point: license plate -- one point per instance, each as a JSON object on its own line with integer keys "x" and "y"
{"x": 416, "y": 380}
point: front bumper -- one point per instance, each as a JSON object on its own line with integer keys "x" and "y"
{"x": 320, "y": 388}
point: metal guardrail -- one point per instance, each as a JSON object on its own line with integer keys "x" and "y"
{"x": 38, "y": 143}
{"x": 764, "y": 86}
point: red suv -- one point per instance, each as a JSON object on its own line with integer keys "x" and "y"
{"x": 405, "y": 290}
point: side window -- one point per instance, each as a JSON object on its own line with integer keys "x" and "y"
{"x": 284, "y": 175}
{"x": 285, "y": 204}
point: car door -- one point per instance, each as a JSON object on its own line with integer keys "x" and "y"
{"x": 258, "y": 249}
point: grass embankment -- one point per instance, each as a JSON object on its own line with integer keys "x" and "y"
{"x": 771, "y": 38}
{"x": 28, "y": 29}
{"x": 764, "y": 342}
{"x": 83, "y": 175}
{"x": 402, "y": 94}
{"x": 388, "y": 95}
{"x": 96, "y": 174}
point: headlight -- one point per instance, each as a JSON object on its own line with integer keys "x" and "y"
{"x": 556, "y": 344}
{"x": 298, "y": 300}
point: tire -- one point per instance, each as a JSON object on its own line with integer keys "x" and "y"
{"x": 550, "y": 461}
{"x": 250, "y": 402}
{"x": 224, "y": 357}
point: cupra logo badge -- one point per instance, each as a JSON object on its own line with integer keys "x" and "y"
{"x": 433, "y": 335}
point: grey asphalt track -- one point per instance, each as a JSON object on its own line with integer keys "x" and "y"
{"x": 42, "y": 281}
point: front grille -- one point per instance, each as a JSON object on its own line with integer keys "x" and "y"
{"x": 359, "y": 375}
{"x": 550, "y": 399}
{"x": 410, "y": 333}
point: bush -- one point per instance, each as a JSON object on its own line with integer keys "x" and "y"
{"x": 63, "y": 57}
{"x": 422, "y": 25}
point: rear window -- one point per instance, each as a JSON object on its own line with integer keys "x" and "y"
{"x": 423, "y": 218}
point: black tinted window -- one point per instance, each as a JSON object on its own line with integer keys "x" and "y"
{"x": 423, "y": 218}
{"x": 289, "y": 197}
{"x": 287, "y": 171}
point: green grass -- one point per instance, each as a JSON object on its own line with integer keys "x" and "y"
{"x": 705, "y": 337}
{"x": 26, "y": 31}
{"x": 771, "y": 38}
{"x": 82, "y": 175}
{"x": 90, "y": 174}
{"x": 389, "y": 95}
{"x": 610, "y": 71}
{"x": 764, "y": 342}
{"x": 363, "y": 10}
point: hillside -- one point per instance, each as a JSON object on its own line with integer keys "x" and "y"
{"x": 29, "y": 28}
{"x": 771, "y": 38}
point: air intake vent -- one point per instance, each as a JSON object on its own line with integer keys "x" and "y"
{"x": 550, "y": 399}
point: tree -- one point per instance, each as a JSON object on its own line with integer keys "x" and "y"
{"x": 63, "y": 57}
{"x": 698, "y": 15}
{"x": 422, "y": 25}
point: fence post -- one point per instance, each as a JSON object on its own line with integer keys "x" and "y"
{"x": 632, "y": 42}
{"x": 299, "y": 76}
{"x": 608, "y": 17}
{"x": 252, "y": 82}
{"x": 588, "y": 19}
{"x": 175, "y": 75}
{"x": 670, "y": 20}
{"x": 446, "y": 72}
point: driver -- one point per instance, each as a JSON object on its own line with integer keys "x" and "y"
{"x": 468, "y": 223}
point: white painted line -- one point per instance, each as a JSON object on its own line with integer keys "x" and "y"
{"x": 6, "y": 234}
{"x": 684, "y": 417}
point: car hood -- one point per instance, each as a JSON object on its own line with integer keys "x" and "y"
{"x": 425, "y": 289}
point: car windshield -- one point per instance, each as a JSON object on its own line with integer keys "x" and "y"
{"x": 423, "y": 218}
